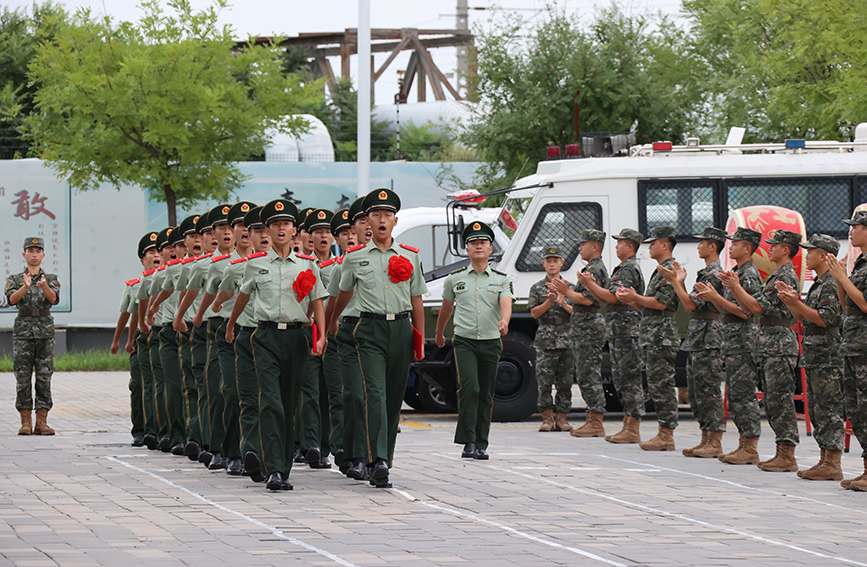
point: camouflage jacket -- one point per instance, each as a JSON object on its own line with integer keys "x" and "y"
{"x": 742, "y": 335}
{"x": 28, "y": 326}
{"x": 585, "y": 323}
{"x": 777, "y": 340}
{"x": 823, "y": 350}
{"x": 705, "y": 334}
{"x": 855, "y": 326}
{"x": 625, "y": 323}
{"x": 660, "y": 331}
{"x": 554, "y": 331}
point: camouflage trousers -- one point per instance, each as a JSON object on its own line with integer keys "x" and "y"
{"x": 660, "y": 361}
{"x": 778, "y": 384}
{"x": 554, "y": 369}
{"x": 626, "y": 365}
{"x": 825, "y": 398}
{"x": 741, "y": 380}
{"x": 587, "y": 354}
{"x": 29, "y": 355}
{"x": 855, "y": 394}
{"x": 704, "y": 372}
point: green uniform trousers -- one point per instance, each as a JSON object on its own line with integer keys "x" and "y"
{"x": 476, "y": 363}
{"x": 136, "y": 397}
{"x": 171, "y": 359}
{"x": 281, "y": 356}
{"x": 161, "y": 415}
{"x": 193, "y": 353}
{"x": 213, "y": 376}
{"x": 321, "y": 422}
{"x": 355, "y": 433}
{"x": 147, "y": 378}
{"x": 31, "y": 356}
{"x": 228, "y": 392}
{"x": 384, "y": 354}
{"x": 248, "y": 390}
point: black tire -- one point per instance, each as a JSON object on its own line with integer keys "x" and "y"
{"x": 431, "y": 398}
{"x": 516, "y": 394}
{"x": 410, "y": 397}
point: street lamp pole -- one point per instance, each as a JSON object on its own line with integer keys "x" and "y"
{"x": 363, "y": 97}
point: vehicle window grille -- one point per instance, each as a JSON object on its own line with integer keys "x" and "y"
{"x": 559, "y": 225}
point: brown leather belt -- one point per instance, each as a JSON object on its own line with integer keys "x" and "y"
{"x": 774, "y": 322}
{"x": 704, "y": 316}
{"x": 620, "y": 308}
{"x": 812, "y": 331}
{"x": 657, "y": 312}
{"x": 585, "y": 309}
{"x": 732, "y": 318}
{"x": 33, "y": 312}
{"x": 855, "y": 311}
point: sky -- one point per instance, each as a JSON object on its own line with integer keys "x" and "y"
{"x": 291, "y": 17}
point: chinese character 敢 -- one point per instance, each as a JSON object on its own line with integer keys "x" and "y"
{"x": 27, "y": 208}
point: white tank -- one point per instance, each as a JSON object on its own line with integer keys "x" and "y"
{"x": 448, "y": 113}
{"x": 315, "y": 145}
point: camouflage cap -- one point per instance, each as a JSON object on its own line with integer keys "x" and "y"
{"x": 591, "y": 235}
{"x": 551, "y": 252}
{"x": 239, "y": 211}
{"x": 859, "y": 217}
{"x": 712, "y": 233}
{"x": 629, "y": 234}
{"x": 318, "y": 218}
{"x": 381, "y": 199}
{"x": 661, "y": 232}
{"x": 34, "y": 242}
{"x": 823, "y": 242}
{"x": 340, "y": 221}
{"x": 253, "y": 218}
{"x": 743, "y": 233}
{"x": 277, "y": 210}
{"x": 477, "y": 231}
{"x": 784, "y": 237}
{"x": 147, "y": 242}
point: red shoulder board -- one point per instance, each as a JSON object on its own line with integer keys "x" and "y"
{"x": 340, "y": 260}
{"x": 187, "y": 260}
{"x": 410, "y": 248}
{"x": 238, "y": 260}
{"x": 203, "y": 256}
{"x": 149, "y": 272}
{"x": 354, "y": 248}
{"x": 305, "y": 256}
{"x": 133, "y": 282}
{"x": 329, "y": 262}
{"x": 171, "y": 263}
{"x": 256, "y": 255}
{"x": 218, "y": 258}
{"x": 163, "y": 267}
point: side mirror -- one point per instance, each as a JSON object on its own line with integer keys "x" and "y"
{"x": 456, "y": 235}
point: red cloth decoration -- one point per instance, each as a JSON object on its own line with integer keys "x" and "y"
{"x": 399, "y": 268}
{"x": 304, "y": 283}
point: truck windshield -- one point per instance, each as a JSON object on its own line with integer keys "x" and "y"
{"x": 513, "y": 210}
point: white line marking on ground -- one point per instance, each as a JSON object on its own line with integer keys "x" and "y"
{"x": 405, "y": 494}
{"x": 275, "y": 531}
{"x": 738, "y": 485}
{"x": 650, "y": 509}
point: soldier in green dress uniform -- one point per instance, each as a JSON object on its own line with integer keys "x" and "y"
{"x": 283, "y": 287}
{"x": 33, "y": 292}
{"x": 481, "y": 300}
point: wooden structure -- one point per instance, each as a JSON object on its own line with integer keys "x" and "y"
{"x": 420, "y": 70}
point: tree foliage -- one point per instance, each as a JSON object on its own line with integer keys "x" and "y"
{"x": 165, "y": 103}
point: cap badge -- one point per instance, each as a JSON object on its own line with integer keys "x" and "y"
{"x": 477, "y": 226}
{"x": 153, "y": 236}
{"x": 552, "y": 250}
{"x": 195, "y": 219}
{"x": 321, "y": 215}
{"x": 225, "y": 210}
{"x": 278, "y": 206}
{"x": 772, "y": 233}
{"x": 245, "y": 208}
{"x": 169, "y": 231}
{"x": 383, "y": 195}
{"x": 35, "y": 240}
{"x": 345, "y": 215}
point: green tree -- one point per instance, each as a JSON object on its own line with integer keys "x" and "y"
{"x": 629, "y": 76}
{"x": 165, "y": 103}
{"x": 429, "y": 143}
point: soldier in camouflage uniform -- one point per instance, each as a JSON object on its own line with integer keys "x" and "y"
{"x": 33, "y": 292}
{"x": 853, "y": 347}
{"x": 553, "y": 344}
{"x": 659, "y": 337}
{"x": 777, "y": 347}
{"x": 588, "y": 331}
{"x": 704, "y": 368}
{"x": 822, "y": 315}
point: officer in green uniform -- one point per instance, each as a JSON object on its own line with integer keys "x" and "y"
{"x": 283, "y": 287}
{"x": 659, "y": 337}
{"x": 481, "y": 300}
{"x": 33, "y": 292}
{"x": 387, "y": 279}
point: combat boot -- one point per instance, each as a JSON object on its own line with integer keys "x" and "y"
{"x": 26, "y": 422}
{"x": 713, "y": 448}
{"x": 664, "y": 441}
{"x": 848, "y": 482}
{"x": 783, "y": 461}
{"x": 802, "y": 472}
{"x": 631, "y": 432}
{"x": 689, "y": 452}
{"x": 42, "y": 423}
{"x": 592, "y": 427}
{"x": 745, "y": 454}
{"x": 547, "y": 420}
{"x": 560, "y": 423}
{"x": 829, "y": 467}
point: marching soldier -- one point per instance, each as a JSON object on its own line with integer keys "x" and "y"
{"x": 777, "y": 347}
{"x": 588, "y": 331}
{"x": 555, "y": 365}
{"x": 33, "y": 292}
{"x": 659, "y": 337}
{"x": 388, "y": 281}
{"x": 704, "y": 369}
{"x": 822, "y": 315}
{"x": 282, "y": 286}
{"x": 853, "y": 292}
{"x": 481, "y": 300}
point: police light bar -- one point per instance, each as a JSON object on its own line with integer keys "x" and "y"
{"x": 662, "y": 146}
{"x": 573, "y": 151}
{"x": 461, "y": 196}
{"x": 796, "y": 144}
{"x": 552, "y": 152}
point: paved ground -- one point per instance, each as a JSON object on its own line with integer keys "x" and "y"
{"x": 85, "y": 497}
